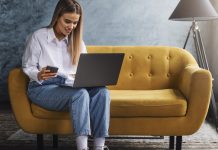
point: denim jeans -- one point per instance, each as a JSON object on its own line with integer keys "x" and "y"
{"x": 89, "y": 107}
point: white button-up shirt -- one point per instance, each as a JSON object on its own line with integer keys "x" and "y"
{"x": 44, "y": 49}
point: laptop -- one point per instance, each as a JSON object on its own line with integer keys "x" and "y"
{"x": 98, "y": 69}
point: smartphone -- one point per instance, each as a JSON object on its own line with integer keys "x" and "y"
{"x": 52, "y": 69}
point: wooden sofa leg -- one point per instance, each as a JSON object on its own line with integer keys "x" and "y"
{"x": 40, "y": 143}
{"x": 178, "y": 142}
{"x": 55, "y": 141}
{"x": 171, "y": 142}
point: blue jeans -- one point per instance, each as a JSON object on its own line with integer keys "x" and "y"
{"x": 89, "y": 107}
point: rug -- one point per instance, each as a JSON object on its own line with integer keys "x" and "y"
{"x": 205, "y": 138}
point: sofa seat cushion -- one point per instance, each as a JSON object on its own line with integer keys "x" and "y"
{"x": 133, "y": 103}
{"x": 42, "y": 113}
{"x": 147, "y": 103}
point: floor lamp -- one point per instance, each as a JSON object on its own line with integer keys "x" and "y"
{"x": 197, "y": 10}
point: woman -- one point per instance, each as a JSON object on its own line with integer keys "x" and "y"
{"x": 60, "y": 45}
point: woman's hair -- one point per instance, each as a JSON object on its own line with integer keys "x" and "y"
{"x": 75, "y": 37}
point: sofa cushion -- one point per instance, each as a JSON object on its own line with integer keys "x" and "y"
{"x": 133, "y": 103}
{"x": 148, "y": 67}
{"x": 40, "y": 112}
{"x": 147, "y": 103}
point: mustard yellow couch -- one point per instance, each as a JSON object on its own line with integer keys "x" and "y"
{"x": 161, "y": 91}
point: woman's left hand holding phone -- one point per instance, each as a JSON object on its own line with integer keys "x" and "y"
{"x": 45, "y": 74}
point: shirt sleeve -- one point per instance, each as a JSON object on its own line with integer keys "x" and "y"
{"x": 30, "y": 59}
{"x": 83, "y": 47}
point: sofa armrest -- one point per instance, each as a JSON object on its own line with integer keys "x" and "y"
{"x": 196, "y": 85}
{"x": 20, "y": 103}
{"x": 21, "y": 106}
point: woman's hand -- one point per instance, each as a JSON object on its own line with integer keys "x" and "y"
{"x": 45, "y": 74}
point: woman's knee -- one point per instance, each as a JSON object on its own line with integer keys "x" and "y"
{"x": 104, "y": 92}
{"x": 103, "y": 95}
{"x": 81, "y": 95}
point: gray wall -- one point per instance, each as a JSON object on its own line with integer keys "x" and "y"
{"x": 107, "y": 22}
{"x": 209, "y": 30}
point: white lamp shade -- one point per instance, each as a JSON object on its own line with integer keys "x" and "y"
{"x": 189, "y": 10}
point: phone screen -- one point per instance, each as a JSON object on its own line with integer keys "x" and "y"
{"x": 52, "y": 69}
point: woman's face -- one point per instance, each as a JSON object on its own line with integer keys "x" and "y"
{"x": 66, "y": 23}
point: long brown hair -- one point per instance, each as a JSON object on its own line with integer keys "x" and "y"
{"x": 75, "y": 37}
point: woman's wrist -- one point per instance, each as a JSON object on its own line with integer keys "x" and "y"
{"x": 39, "y": 76}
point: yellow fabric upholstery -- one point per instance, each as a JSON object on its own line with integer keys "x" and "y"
{"x": 160, "y": 91}
{"x": 133, "y": 103}
{"x": 148, "y": 68}
{"x": 42, "y": 113}
{"x": 147, "y": 103}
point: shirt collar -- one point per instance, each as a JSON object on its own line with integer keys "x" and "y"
{"x": 51, "y": 36}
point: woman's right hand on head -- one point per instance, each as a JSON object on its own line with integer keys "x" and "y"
{"x": 45, "y": 74}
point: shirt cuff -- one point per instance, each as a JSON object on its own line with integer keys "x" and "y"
{"x": 34, "y": 76}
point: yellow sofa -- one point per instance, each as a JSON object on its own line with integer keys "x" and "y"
{"x": 161, "y": 91}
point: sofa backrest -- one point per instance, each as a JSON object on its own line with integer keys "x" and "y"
{"x": 148, "y": 67}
